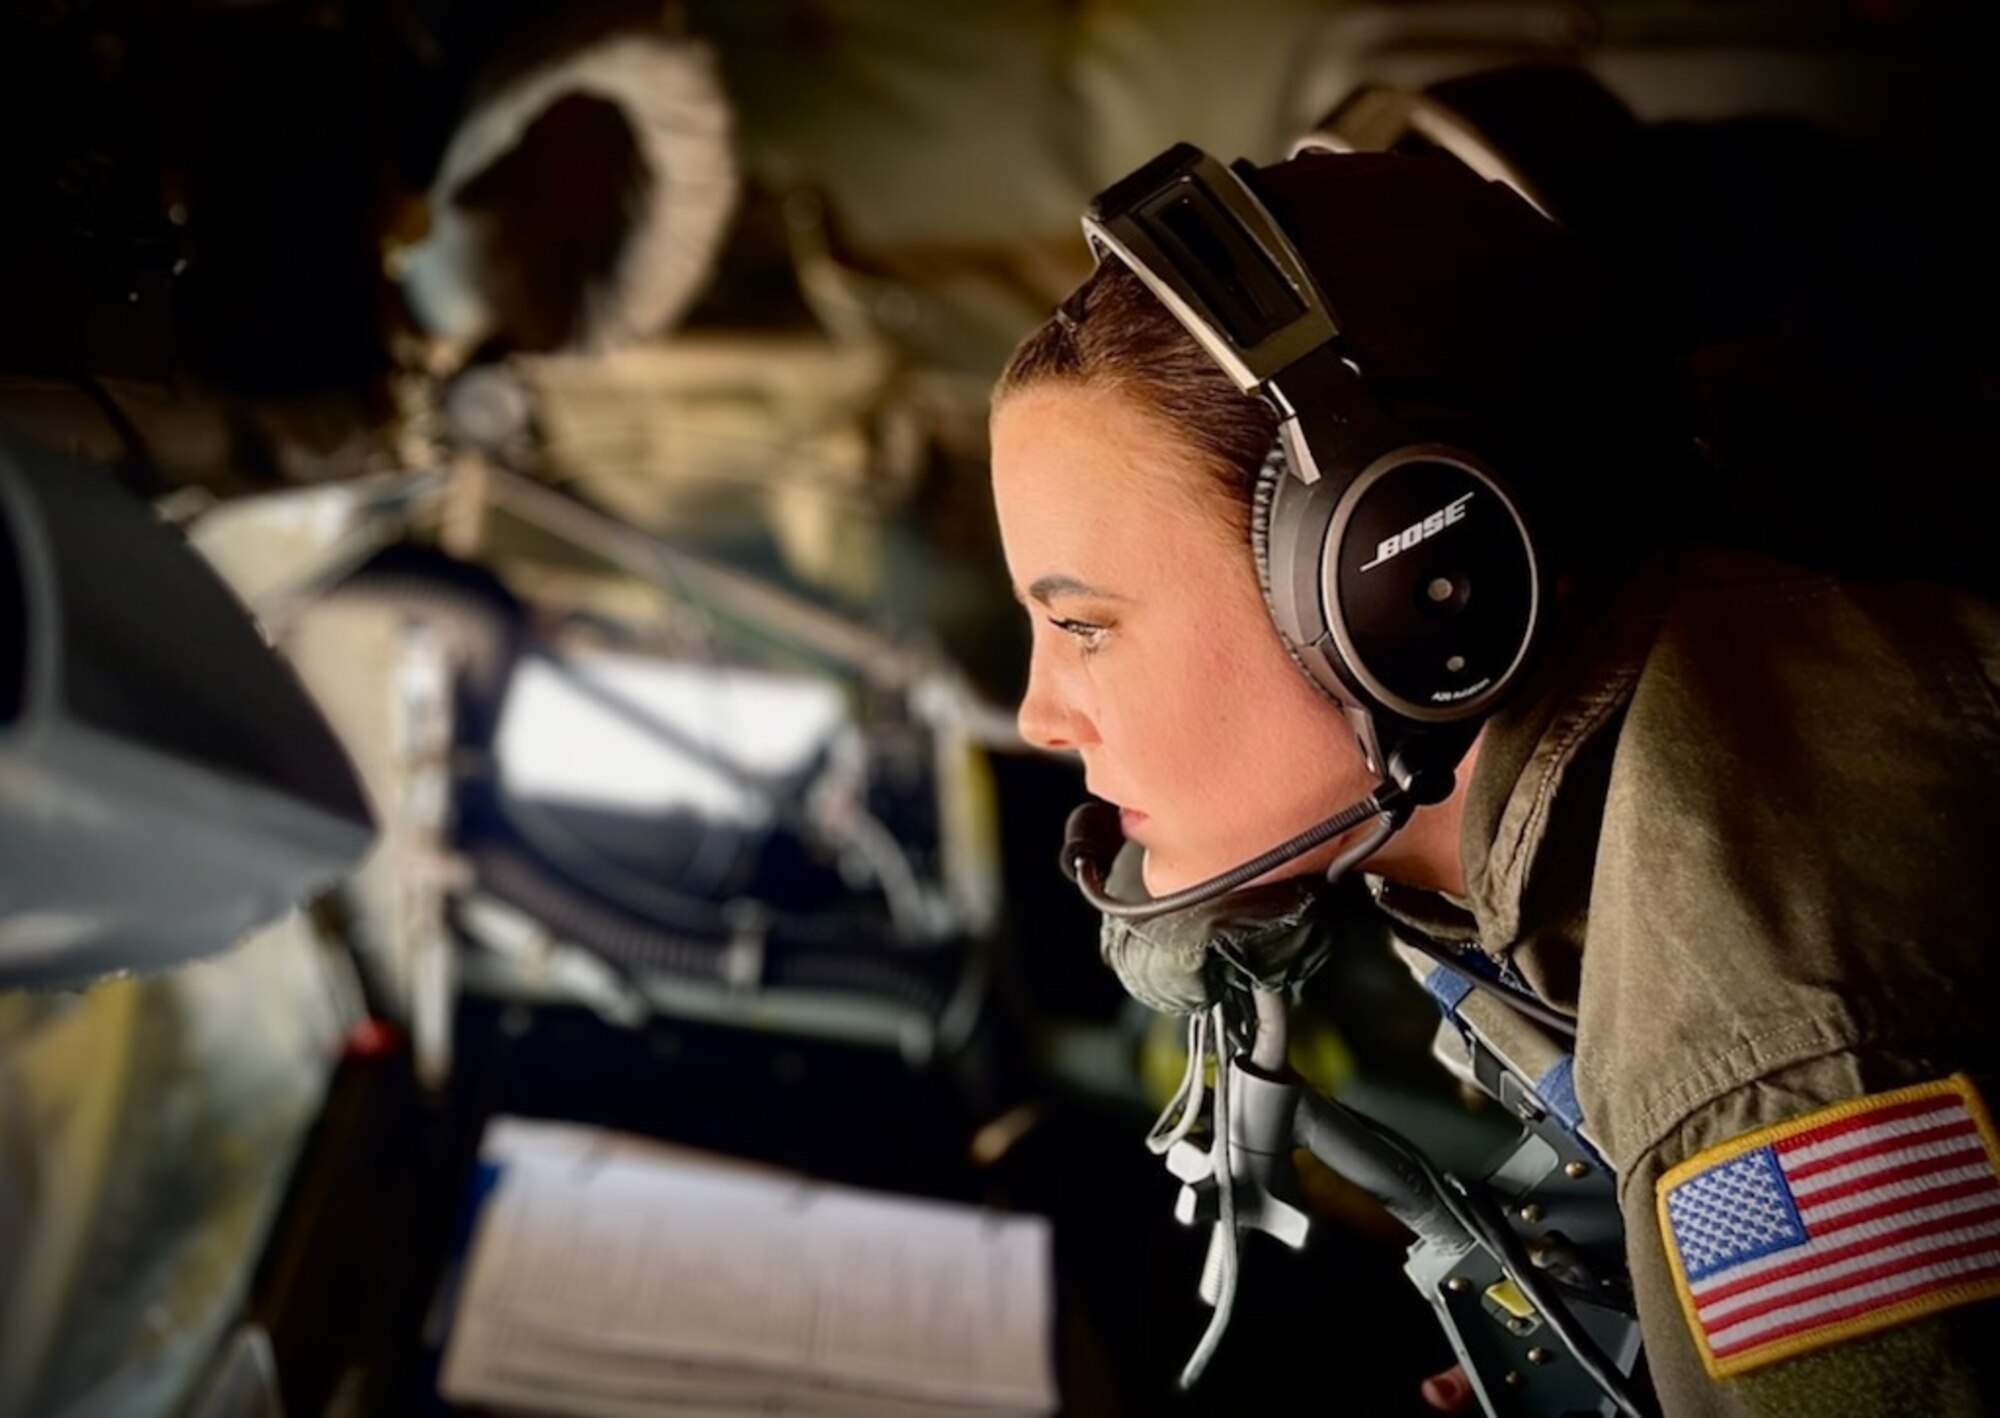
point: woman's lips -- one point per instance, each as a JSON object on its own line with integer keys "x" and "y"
{"x": 1130, "y": 819}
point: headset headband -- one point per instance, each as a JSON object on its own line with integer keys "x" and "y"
{"x": 1196, "y": 234}
{"x": 1379, "y": 119}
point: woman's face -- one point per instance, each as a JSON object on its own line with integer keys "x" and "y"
{"x": 1154, "y": 656}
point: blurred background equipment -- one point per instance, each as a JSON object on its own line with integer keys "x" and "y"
{"x": 645, "y": 813}
{"x": 1828, "y": 298}
{"x": 165, "y": 783}
{"x": 627, "y": 136}
{"x": 168, "y": 792}
{"x": 1897, "y": 83}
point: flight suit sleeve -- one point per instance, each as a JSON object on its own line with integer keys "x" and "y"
{"x": 1816, "y": 1246}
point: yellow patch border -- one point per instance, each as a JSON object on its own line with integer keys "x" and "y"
{"x": 1902, "y": 1313}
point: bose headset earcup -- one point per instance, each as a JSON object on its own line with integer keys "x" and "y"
{"x": 1273, "y": 474}
{"x": 1411, "y": 583}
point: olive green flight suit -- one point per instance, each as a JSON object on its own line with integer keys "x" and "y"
{"x": 1749, "y": 831}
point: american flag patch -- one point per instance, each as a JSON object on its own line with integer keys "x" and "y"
{"x": 1851, "y": 1219}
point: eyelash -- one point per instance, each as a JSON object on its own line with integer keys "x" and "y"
{"x": 1089, "y": 637}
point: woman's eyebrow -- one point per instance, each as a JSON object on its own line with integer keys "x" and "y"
{"x": 1046, "y": 588}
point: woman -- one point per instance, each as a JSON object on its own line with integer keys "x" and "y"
{"x": 1736, "y": 817}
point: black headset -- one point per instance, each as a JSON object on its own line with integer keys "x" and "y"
{"x": 1400, "y": 567}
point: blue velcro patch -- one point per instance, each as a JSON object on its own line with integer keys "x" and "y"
{"x": 1557, "y": 1090}
{"x": 1447, "y": 987}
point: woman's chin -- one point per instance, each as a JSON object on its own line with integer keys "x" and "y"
{"x": 1164, "y": 875}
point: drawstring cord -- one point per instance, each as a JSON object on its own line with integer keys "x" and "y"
{"x": 1187, "y": 1099}
{"x": 1218, "y": 1280}
{"x": 1207, "y": 1042}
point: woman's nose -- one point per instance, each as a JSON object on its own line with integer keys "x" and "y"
{"x": 1049, "y": 717}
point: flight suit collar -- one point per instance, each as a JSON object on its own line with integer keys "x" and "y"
{"x": 1535, "y": 795}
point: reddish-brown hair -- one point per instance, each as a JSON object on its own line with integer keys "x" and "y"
{"x": 1113, "y": 334}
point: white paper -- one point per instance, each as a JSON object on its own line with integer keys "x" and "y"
{"x": 611, "y": 1272}
{"x": 526, "y": 1372}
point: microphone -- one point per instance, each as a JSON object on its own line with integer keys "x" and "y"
{"x": 1091, "y": 839}
{"x": 1090, "y": 834}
